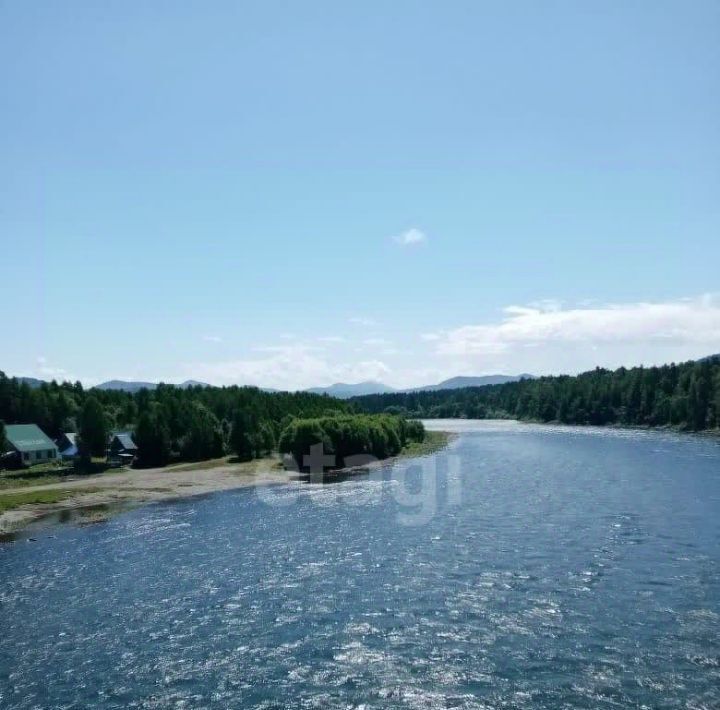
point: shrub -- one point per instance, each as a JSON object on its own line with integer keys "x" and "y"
{"x": 345, "y": 435}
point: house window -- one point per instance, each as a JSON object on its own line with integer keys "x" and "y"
{"x": 50, "y": 454}
{"x": 26, "y": 456}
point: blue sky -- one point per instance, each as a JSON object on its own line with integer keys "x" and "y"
{"x": 289, "y": 194}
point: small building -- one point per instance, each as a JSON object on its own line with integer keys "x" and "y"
{"x": 67, "y": 445}
{"x": 122, "y": 450}
{"x": 30, "y": 444}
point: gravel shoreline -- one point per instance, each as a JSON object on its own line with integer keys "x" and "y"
{"x": 135, "y": 486}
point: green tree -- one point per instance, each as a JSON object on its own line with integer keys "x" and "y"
{"x": 128, "y": 413}
{"x": 415, "y": 431}
{"x": 203, "y": 439}
{"x": 152, "y": 437}
{"x": 699, "y": 398}
{"x": 266, "y": 439}
{"x": 62, "y": 409}
{"x": 244, "y": 434}
{"x": 300, "y": 437}
{"x": 93, "y": 429}
{"x": 349, "y": 435}
{"x": 716, "y": 401}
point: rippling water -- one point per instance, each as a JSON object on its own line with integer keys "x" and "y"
{"x": 524, "y": 567}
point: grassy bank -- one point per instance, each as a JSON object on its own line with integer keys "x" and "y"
{"x": 10, "y": 501}
{"x": 45, "y": 474}
{"x": 434, "y": 440}
{"x": 17, "y": 481}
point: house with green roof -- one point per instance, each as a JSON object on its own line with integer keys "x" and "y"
{"x": 30, "y": 443}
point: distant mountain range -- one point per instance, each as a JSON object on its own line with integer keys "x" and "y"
{"x": 120, "y": 385}
{"x": 30, "y": 381}
{"x": 455, "y": 383}
{"x": 342, "y": 390}
{"x": 125, "y": 386}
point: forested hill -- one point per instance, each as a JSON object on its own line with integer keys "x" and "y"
{"x": 56, "y": 408}
{"x": 685, "y": 395}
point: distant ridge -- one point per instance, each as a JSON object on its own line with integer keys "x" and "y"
{"x": 125, "y": 386}
{"x": 30, "y": 381}
{"x": 342, "y": 390}
{"x": 455, "y": 383}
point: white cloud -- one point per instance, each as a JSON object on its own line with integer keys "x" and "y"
{"x": 410, "y": 237}
{"x": 546, "y": 304}
{"x": 212, "y": 339}
{"x": 287, "y": 367}
{"x": 44, "y": 370}
{"x": 544, "y": 337}
{"x": 570, "y": 338}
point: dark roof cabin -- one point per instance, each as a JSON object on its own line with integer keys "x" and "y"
{"x": 123, "y": 442}
{"x": 67, "y": 443}
{"x": 122, "y": 449}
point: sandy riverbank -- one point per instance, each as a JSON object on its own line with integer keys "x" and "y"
{"x": 134, "y": 486}
{"x": 92, "y": 498}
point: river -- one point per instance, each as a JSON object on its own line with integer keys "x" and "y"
{"x": 522, "y": 567}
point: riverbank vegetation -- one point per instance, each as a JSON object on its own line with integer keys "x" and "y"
{"x": 28, "y": 478}
{"x": 10, "y": 501}
{"x": 432, "y": 441}
{"x": 345, "y": 438}
{"x": 686, "y": 396}
{"x": 169, "y": 424}
{"x": 174, "y": 424}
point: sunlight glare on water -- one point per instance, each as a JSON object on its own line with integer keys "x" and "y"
{"x": 572, "y": 567}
